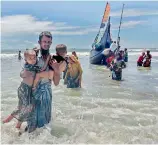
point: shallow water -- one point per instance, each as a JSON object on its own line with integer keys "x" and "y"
{"x": 102, "y": 111}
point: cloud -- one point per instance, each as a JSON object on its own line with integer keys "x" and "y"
{"x": 20, "y": 24}
{"x": 134, "y": 13}
{"x": 29, "y": 42}
{"x": 128, "y": 24}
{"x": 27, "y": 24}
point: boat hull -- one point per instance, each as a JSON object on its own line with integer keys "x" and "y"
{"x": 97, "y": 57}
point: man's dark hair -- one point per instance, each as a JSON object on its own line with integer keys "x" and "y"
{"x": 45, "y": 33}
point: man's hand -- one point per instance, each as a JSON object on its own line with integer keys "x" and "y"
{"x": 56, "y": 67}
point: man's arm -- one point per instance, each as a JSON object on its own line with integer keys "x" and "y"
{"x": 62, "y": 68}
{"x": 58, "y": 68}
{"x": 56, "y": 78}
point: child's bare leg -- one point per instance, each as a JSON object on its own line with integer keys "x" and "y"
{"x": 18, "y": 125}
{"x": 9, "y": 118}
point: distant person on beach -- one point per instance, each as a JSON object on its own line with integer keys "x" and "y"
{"x": 74, "y": 73}
{"x": 141, "y": 59}
{"x": 125, "y": 55}
{"x": 147, "y": 62}
{"x": 19, "y": 55}
{"x": 25, "y": 104}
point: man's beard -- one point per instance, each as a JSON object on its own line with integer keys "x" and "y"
{"x": 44, "y": 52}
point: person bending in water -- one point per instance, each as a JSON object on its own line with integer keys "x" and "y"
{"x": 140, "y": 59}
{"x": 25, "y": 103}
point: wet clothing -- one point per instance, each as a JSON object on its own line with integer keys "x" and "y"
{"x": 41, "y": 114}
{"x": 25, "y": 103}
{"x": 71, "y": 82}
{"x": 26, "y": 100}
{"x": 117, "y": 70}
{"x": 73, "y": 73}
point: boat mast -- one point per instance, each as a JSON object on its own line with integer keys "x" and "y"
{"x": 118, "y": 38}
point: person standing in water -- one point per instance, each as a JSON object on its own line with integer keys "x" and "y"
{"x": 116, "y": 68}
{"x": 74, "y": 73}
{"x": 41, "y": 115}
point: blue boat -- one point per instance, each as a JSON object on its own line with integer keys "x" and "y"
{"x": 102, "y": 40}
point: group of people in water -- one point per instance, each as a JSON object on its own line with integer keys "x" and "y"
{"x": 145, "y": 59}
{"x": 115, "y": 60}
{"x": 39, "y": 71}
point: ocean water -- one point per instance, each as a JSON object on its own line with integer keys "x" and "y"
{"x": 102, "y": 111}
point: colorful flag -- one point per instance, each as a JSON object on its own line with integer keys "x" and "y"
{"x": 106, "y": 13}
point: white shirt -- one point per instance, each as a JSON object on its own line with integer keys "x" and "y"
{"x": 113, "y": 46}
{"x": 106, "y": 51}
